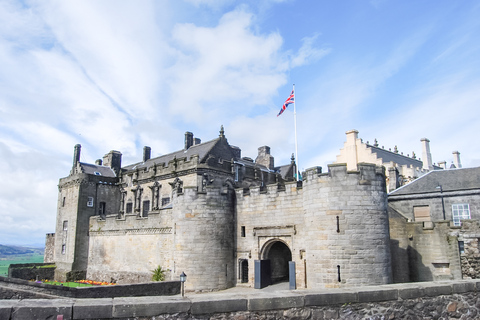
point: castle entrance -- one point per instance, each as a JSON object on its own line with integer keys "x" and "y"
{"x": 279, "y": 255}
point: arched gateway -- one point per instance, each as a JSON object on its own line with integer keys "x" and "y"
{"x": 279, "y": 255}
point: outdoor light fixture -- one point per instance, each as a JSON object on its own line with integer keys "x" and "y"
{"x": 183, "y": 278}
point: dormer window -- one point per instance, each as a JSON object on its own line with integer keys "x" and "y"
{"x": 97, "y": 173}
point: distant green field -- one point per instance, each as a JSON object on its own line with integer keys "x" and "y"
{"x": 36, "y": 258}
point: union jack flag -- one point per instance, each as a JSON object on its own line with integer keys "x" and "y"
{"x": 290, "y": 100}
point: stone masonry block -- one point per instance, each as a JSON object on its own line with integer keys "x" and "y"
{"x": 323, "y": 299}
{"x": 42, "y": 309}
{"x": 462, "y": 287}
{"x": 148, "y": 306}
{"x": 377, "y": 295}
{"x": 411, "y": 292}
{"x": 93, "y": 309}
{"x": 6, "y": 308}
{"x": 274, "y": 303}
{"x": 436, "y": 289}
{"x": 218, "y": 306}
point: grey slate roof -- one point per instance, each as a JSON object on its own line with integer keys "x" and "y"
{"x": 450, "y": 180}
{"x": 284, "y": 170}
{"x": 201, "y": 150}
{"x": 94, "y": 169}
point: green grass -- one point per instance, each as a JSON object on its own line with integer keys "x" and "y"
{"x": 18, "y": 259}
{"x": 68, "y": 284}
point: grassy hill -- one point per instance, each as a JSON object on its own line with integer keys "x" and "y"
{"x": 12, "y": 251}
{"x": 17, "y": 254}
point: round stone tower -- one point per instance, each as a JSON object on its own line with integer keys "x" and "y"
{"x": 347, "y": 224}
{"x": 204, "y": 238}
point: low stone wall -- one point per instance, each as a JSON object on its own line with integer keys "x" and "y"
{"x": 432, "y": 300}
{"x": 31, "y": 271}
{"x": 11, "y": 288}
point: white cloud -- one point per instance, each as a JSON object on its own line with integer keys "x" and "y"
{"x": 227, "y": 63}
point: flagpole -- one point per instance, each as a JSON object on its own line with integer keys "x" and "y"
{"x": 295, "y": 120}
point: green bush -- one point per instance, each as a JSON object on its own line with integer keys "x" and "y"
{"x": 158, "y": 274}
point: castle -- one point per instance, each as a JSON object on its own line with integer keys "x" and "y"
{"x": 227, "y": 220}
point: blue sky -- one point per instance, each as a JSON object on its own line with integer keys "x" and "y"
{"x": 119, "y": 75}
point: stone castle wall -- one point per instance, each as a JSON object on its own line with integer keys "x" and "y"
{"x": 265, "y": 217}
{"x": 127, "y": 249}
{"x": 335, "y": 225}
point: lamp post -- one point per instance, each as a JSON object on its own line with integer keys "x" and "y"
{"x": 183, "y": 278}
{"x": 443, "y": 204}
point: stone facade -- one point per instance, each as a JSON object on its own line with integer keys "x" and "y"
{"x": 341, "y": 239}
{"x": 434, "y": 226}
{"x": 401, "y": 169}
{"x": 227, "y": 220}
{"x": 208, "y": 212}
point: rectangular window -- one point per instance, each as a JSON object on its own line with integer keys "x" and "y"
{"x": 64, "y": 248}
{"x": 101, "y": 208}
{"x": 63, "y": 202}
{"x": 165, "y": 201}
{"x": 146, "y": 208}
{"x": 422, "y": 213}
{"x": 90, "y": 202}
{"x": 243, "y": 231}
{"x": 65, "y": 225}
{"x": 236, "y": 173}
{"x": 460, "y": 212}
{"x": 129, "y": 207}
{"x": 461, "y": 247}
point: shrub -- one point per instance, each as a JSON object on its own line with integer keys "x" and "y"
{"x": 158, "y": 274}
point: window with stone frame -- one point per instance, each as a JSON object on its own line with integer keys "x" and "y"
{"x": 145, "y": 208}
{"x": 165, "y": 201}
{"x": 460, "y": 212}
{"x": 64, "y": 248}
{"x": 90, "y": 202}
{"x": 129, "y": 207}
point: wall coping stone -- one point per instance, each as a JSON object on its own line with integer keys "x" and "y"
{"x": 230, "y": 300}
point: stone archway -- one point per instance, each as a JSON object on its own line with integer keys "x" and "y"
{"x": 279, "y": 255}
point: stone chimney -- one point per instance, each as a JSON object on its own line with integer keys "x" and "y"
{"x": 147, "y": 152}
{"x": 264, "y": 157}
{"x": 98, "y": 162}
{"x": 456, "y": 159}
{"x": 426, "y": 155}
{"x": 76, "y": 154}
{"x": 351, "y": 150}
{"x": 113, "y": 159}
{"x": 442, "y": 164}
{"x": 196, "y": 141}
{"x": 188, "y": 140}
{"x": 393, "y": 179}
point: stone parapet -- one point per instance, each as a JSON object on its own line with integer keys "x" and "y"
{"x": 449, "y": 299}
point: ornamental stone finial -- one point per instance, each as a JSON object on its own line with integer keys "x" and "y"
{"x": 222, "y": 132}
